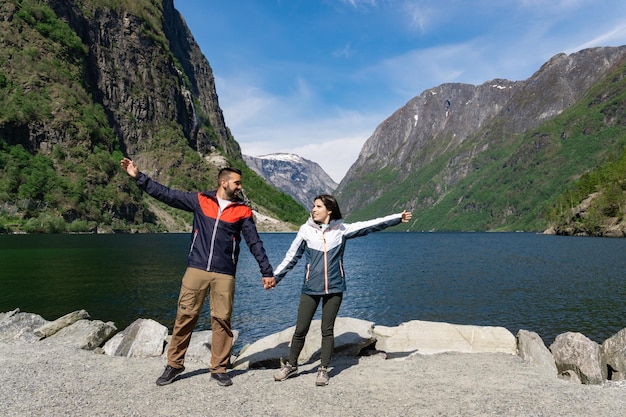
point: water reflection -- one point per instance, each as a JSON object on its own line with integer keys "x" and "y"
{"x": 545, "y": 284}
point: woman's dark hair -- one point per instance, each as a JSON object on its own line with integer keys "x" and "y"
{"x": 331, "y": 205}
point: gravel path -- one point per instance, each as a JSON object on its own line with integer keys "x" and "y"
{"x": 44, "y": 379}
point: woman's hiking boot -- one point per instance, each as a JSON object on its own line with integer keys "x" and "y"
{"x": 322, "y": 376}
{"x": 285, "y": 372}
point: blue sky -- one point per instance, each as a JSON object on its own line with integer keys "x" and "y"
{"x": 315, "y": 77}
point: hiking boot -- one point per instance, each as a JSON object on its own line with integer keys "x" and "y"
{"x": 222, "y": 379}
{"x": 169, "y": 375}
{"x": 285, "y": 372}
{"x": 322, "y": 376}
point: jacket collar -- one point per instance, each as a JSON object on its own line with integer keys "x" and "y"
{"x": 333, "y": 223}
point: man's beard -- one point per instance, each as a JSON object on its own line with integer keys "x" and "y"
{"x": 231, "y": 193}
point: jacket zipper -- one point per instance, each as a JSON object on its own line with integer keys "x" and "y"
{"x": 217, "y": 222}
{"x": 193, "y": 242}
{"x": 232, "y": 255}
{"x": 325, "y": 264}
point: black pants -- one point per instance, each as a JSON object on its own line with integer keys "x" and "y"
{"x": 306, "y": 310}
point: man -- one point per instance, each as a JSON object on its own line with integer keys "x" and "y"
{"x": 220, "y": 217}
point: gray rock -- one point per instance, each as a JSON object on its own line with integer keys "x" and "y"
{"x": 52, "y": 327}
{"x": 7, "y": 315}
{"x": 577, "y": 353}
{"x": 532, "y": 349}
{"x": 614, "y": 350}
{"x": 351, "y": 337}
{"x": 85, "y": 334}
{"x": 428, "y": 337}
{"x": 142, "y": 338}
{"x": 15, "y": 325}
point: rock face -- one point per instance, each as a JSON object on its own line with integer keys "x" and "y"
{"x": 450, "y": 133}
{"x": 300, "y": 178}
{"x": 137, "y": 80}
{"x": 572, "y": 226}
{"x": 139, "y": 63}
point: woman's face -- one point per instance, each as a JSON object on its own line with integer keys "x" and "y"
{"x": 320, "y": 213}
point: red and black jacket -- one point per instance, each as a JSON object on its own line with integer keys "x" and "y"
{"x": 215, "y": 236}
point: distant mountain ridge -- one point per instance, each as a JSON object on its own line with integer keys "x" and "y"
{"x": 84, "y": 83}
{"x": 493, "y": 156}
{"x": 294, "y": 175}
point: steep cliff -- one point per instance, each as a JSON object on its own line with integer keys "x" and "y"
{"x": 147, "y": 71}
{"x": 84, "y": 82}
{"x": 489, "y": 157}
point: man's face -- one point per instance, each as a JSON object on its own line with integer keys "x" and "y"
{"x": 232, "y": 185}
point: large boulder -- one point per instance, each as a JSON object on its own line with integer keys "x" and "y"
{"x": 351, "y": 337}
{"x": 52, "y": 327}
{"x": 85, "y": 334}
{"x": 18, "y": 326}
{"x": 577, "y": 353}
{"x": 142, "y": 338}
{"x": 614, "y": 352}
{"x": 532, "y": 349}
{"x": 428, "y": 337}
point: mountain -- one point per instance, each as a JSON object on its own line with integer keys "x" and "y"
{"x": 83, "y": 83}
{"x": 494, "y": 156}
{"x": 300, "y": 178}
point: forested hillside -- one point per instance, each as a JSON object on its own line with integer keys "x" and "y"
{"x": 501, "y": 155}
{"x": 83, "y": 83}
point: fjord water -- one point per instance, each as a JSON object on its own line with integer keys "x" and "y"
{"x": 546, "y": 284}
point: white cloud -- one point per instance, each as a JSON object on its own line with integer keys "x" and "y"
{"x": 278, "y": 106}
{"x": 615, "y": 36}
{"x": 360, "y": 3}
{"x": 419, "y": 16}
{"x": 265, "y": 123}
{"x": 345, "y": 52}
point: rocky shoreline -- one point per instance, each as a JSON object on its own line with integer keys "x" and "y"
{"x": 74, "y": 365}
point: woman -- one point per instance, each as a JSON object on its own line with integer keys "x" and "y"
{"x": 322, "y": 241}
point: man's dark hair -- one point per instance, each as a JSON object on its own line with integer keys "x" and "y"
{"x": 331, "y": 205}
{"x": 225, "y": 173}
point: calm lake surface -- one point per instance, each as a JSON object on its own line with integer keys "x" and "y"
{"x": 545, "y": 284}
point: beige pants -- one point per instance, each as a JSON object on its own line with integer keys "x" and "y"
{"x": 193, "y": 291}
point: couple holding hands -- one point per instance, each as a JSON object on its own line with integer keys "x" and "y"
{"x": 220, "y": 218}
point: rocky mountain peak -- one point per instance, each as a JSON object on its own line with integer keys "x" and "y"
{"x": 294, "y": 175}
{"x": 454, "y": 131}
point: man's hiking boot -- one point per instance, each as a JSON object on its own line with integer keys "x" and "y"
{"x": 285, "y": 372}
{"x": 169, "y": 375}
{"x": 322, "y": 376}
{"x": 222, "y": 379}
